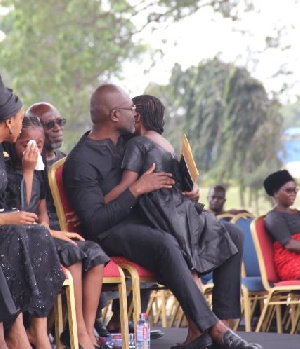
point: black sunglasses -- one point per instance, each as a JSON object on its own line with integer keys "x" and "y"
{"x": 50, "y": 124}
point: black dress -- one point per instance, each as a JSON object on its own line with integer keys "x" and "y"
{"x": 204, "y": 241}
{"x": 87, "y": 252}
{"x": 29, "y": 262}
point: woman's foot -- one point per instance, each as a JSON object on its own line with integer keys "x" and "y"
{"x": 84, "y": 339}
{"x": 38, "y": 340}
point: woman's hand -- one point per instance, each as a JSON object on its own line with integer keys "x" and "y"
{"x": 67, "y": 236}
{"x": 72, "y": 219}
{"x": 30, "y": 157}
{"x": 194, "y": 194}
{"x": 18, "y": 217}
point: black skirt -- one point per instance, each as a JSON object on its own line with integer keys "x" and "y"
{"x": 31, "y": 267}
{"x": 88, "y": 252}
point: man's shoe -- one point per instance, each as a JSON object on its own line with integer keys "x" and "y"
{"x": 101, "y": 329}
{"x": 232, "y": 341}
{"x": 155, "y": 334}
{"x": 201, "y": 342}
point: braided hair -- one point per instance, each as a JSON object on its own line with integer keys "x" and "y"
{"x": 13, "y": 161}
{"x": 151, "y": 111}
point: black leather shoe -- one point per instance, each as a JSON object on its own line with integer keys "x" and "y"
{"x": 155, "y": 334}
{"x": 177, "y": 346}
{"x": 101, "y": 329}
{"x": 201, "y": 342}
{"x": 233, "y": 341}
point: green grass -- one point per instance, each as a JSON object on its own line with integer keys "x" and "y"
{"x": 233, "y": 201}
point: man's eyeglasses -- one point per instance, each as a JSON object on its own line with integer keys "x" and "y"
{"x": 132, "y": 108}
{"x": 291, "y": 190}
{"x": 50, "y": 124}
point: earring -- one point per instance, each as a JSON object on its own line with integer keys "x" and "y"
{"x": 10, "y": 131}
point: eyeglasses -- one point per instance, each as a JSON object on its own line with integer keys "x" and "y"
{"x": 50, "y": 124}
{"x": 291, "y": 190}
{"x": 132, "y": 108}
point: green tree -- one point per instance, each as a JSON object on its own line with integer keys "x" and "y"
{"x": 58, "y": 51}
{"x": 234, "y": 127}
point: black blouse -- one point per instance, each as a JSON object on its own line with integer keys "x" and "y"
{"x": 281, "y": 226}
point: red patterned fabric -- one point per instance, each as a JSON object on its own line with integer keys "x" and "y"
{"x": 287, "y": 263}
{"x": 267, "y": 250}
{"x": 141, "y": 271}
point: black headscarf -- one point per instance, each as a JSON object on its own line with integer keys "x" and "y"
{"x": 10, "y": 104}
{"x": 276, "y": 180}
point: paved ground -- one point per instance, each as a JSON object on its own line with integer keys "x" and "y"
{"x": 267, "y": 340}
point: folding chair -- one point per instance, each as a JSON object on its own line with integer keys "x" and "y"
{"x": 112, "y": 273}
{"x": 252, "y": 288}
{"x": 278, "y": 292}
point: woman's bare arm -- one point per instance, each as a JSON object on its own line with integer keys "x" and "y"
{"x": 128, "y": 178}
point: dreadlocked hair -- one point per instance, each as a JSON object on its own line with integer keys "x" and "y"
{"x": 151, "y": 111}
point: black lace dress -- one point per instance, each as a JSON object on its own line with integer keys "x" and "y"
{"x": 204, "y": 241}
{"x": 29, "y": 263}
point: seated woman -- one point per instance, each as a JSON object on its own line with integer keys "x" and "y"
{"x": 283, "y": 224}
{"x": 28, "y": 258}
{"x": 205, "y": 243}
{"x": 84, "y": 259}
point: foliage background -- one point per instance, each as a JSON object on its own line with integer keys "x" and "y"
{"x": 58, "y": 51}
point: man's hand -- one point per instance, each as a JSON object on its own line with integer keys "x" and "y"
{"x": 194, "y": 194}
{"x": 151, "y": 181}
{"x": 72, "y": 219}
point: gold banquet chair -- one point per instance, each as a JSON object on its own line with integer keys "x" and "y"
{"x": 278, "y": 292}
{"x": 113, "y": 274}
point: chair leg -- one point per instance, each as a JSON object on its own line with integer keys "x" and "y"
{"x": 263, "y": 314}
{"x": 123, "y": 312}
{"x": 72, "y": 316}
{"x": 58, "y": 321}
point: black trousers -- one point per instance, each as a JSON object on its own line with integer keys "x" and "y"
{"x": 159, "y": 252}
{"x": 227, "y": 279}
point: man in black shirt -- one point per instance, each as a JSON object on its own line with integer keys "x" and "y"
{"x": 53, "y": 125}
{"x": 92, "y": 169}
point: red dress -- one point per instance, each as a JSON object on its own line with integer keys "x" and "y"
{"x": 287, "y": 263}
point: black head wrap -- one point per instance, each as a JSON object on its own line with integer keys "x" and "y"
{"x": 276, "y": 180}
{"x": 10, "y": 104}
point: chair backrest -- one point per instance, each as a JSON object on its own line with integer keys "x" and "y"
{"x": 61, "y": 202}
{"x": 225, "y": 217}
{"x": 186, "y": 150}
{"x": 264, "y": 251}
{"x": 251, "y": 267}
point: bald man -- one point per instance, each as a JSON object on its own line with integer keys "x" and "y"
{"x": 92, "y": 169}
{"x": 53, "y": 125}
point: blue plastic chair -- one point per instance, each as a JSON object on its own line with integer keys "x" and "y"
{"x": 252, "y": 286}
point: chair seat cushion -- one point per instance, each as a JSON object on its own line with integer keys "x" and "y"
{"x": 143, "y": 272}
{"x": 111, "y": 270}
{"x": 253, "y": 283}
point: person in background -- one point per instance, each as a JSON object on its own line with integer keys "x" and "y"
{"x": 28, "y": 258}
{"x": 93, "y": 169}
{"x": 53, "y": 125}
{"x": 283, "y": 224}
{"x": 216, "y": 198}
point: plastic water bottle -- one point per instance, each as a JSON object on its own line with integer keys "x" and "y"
{"x": 143, "y": 332}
